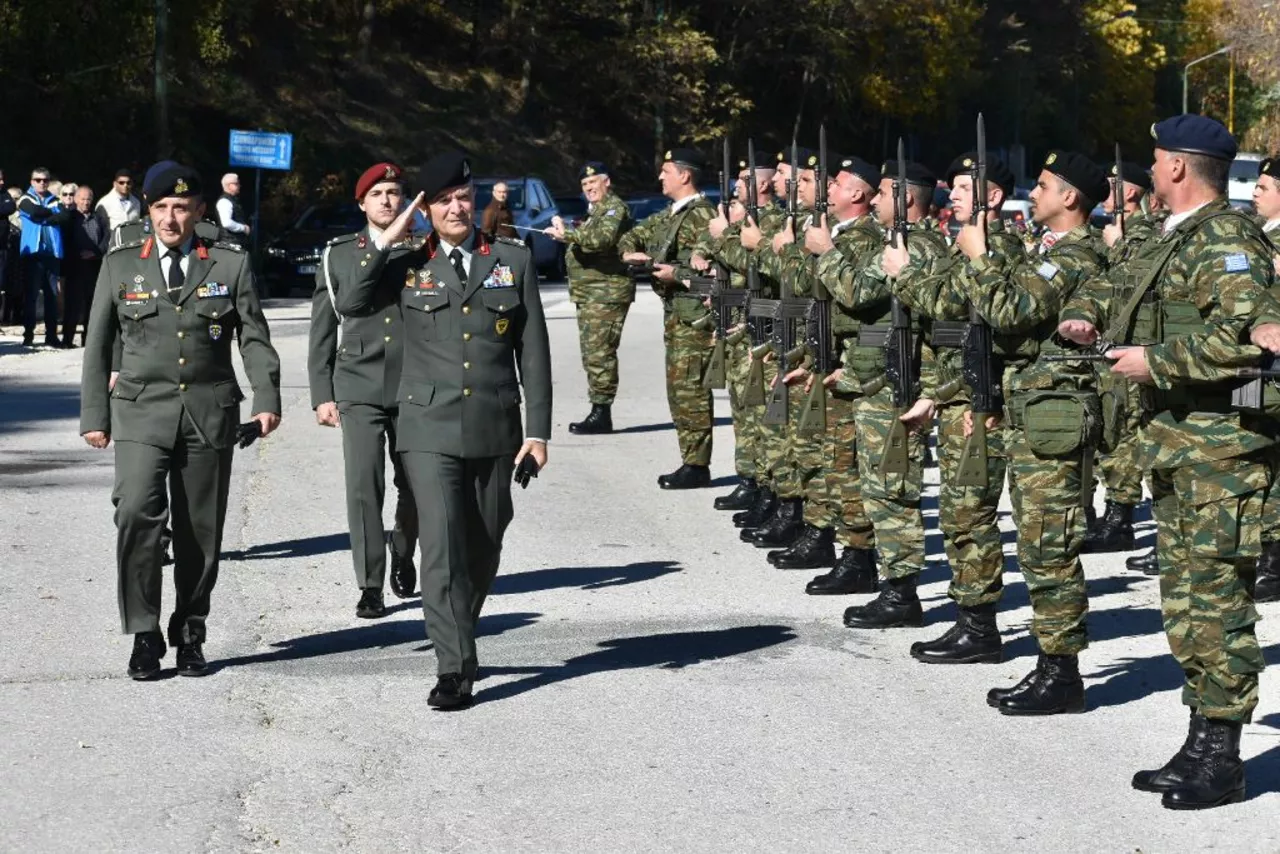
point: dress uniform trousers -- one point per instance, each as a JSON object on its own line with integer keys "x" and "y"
{"x": 198, "y": 477}
{"x": 464, "y": 507}
{"x": 368, "y": 433}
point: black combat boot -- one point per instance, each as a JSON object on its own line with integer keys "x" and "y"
{"x": 815, "y": 549}
{"x": 1053, "y": 688}
{"x": 686, "y": 477}
{"x": 1147, "y": 563}
{"x": 599, "y": 420}
{"x": 1267, "y": 587}
{"x": 897, "y": 606}
{"x": 765, "y": 504}
{"x": 783, "y": 529}
{"x": 1112, "y": 532}
{"x": 1175, "y": 772}
{"x": 974, "y": 639}
{"x": 854, "y": 572}
{"x": 1216, "y": 777}
{"x": 742, "y": 497}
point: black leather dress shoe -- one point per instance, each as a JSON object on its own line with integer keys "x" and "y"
{"x": 451, "y": 692}
{"x": 1053, "y": 688}
{"x": 371, "y": 606}
{"x": 854, "y": 572}
{"x": 402, "y": 572}
{"x": 599, "y": 420}
{"x": 1146, "y": 563}
{"x": 742, "y": 497}
{"x": 191, "y": 660}
{"x": 148, "y": 649}
{"x": 686, "y": 477}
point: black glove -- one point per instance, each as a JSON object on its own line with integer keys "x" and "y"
{"x": 528, "y": 468}
{"x": 248, "y": 433}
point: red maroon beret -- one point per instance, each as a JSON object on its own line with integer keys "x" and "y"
{"x": 376, "y": 174}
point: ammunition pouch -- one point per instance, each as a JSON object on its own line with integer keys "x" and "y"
{"x": 1113, "y": 396}
{"x": 1057, "y": 423}
{"x": 688, "y": 308}
{"x": 865, "y": 359}
{"x": 947, "y": 333}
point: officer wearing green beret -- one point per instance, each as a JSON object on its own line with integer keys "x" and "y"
{"x": 174, "y": 302}
{"x": 472, "y": 317}
{"x": 354, "y": 382}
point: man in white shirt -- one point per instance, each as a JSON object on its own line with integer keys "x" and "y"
{"x": 120, "y": 205}
{"x": 231, "y": 215}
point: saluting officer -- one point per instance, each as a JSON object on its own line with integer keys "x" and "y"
{"x": 174, "y": 301}
{"x": 472, "y": 316}
{"x": 354, "y": 383}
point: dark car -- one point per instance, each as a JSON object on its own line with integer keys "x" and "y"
{"x": 290, "y": 260}
{"x": 532, "y": 208}
{"x": 643, "y": 207}
{"x": 573, "y": 209}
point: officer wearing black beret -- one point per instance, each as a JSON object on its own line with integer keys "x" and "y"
{"x": 474, "y": 335}
{"x": 168, "y": 307}
{"x": 859, "y": 168}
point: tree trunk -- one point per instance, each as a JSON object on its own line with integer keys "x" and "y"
{"x": 365, "y": 36}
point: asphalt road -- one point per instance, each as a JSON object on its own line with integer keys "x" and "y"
{"x": 652, "y": 684}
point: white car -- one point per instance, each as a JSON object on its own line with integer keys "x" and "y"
{"x": 1244, "y": 174}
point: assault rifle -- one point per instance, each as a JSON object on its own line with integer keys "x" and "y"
{"x": 817, "y": 339}
{"x": 723, "y": 299}
{"x": 1117, "y": 194}
{"x": 901, "y": 366}
{"x": 762, "y": 316}
{"x": 787, "y": 352}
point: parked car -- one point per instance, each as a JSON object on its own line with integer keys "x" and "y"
{"x": 1242, "y": 178}
{"x": 645, "y": 206}
{"x": 290, "y": 260}
{"x": 573, "y": 209}
{"x": 532, "y": 207}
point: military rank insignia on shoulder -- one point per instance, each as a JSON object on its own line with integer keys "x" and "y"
{"x": 132, "y": 244}
{"x": 342, "y": 238}
{"x": 511, "y": 241}
{"x": 234, "y": 247}
{"x": 1236, "y": 262}
{"x": 1047, "y": 271}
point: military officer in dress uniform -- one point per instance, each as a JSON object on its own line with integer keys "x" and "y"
{"x": 354, "y": 383}
{"x": 472, "y": 316}
{"x": 174, "y": 301}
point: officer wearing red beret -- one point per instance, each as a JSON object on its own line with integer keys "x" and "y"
{"x": 353, "y": 362}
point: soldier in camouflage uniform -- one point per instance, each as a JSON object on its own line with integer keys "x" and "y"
{"x": 1199, "y": 286}
{"x": 891, "y": 498}
{"x": 1121, "y": 412}
{"x": 1053, "y": 411}
{"x": 600, "y": 288}
{"x": 667, "y": 239}
{"x": 1266, "y": 205}
{"x": 967, "y": 512}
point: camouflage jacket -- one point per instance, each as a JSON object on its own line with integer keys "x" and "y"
{"x": 730, "y": 251}
{"x": 596, "y": 272}
{"x": 1138, "y": 228}
{"x": 670, "y": 238}
{"x": 937, "y": 291}
{"x": 1211, "y": 274}
{"x": 1022, "y": 300}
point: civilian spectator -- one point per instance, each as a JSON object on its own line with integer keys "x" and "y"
{"x": 120, "y": 205}
{"x": 87, "y": 235}
{"x": 497, "y": 219}
{"x": 231, "y": 215}
{"x": 40, "y": 249}
{"x": 8, "y": 207}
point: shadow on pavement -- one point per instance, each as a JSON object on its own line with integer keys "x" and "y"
{"x": 374, "y": 635}
{"x": 668, "y": 651}
{"x": 305, "y": 547}
{"x": 585, "y": 577}
{"x": 722, "y": 421}
{"x": 1135, "y": 678}
{"x": 24, "y": 406}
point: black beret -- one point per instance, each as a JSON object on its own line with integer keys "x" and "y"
{"x": 443, "y": 172}
{"x": 1130, "y": 173}
{"x": 763, "y": 161}
{"x": 124, "y": 173}
{"x": 807, "y": 158}
{"x": 1195, "y": 135}
{"x": 1080, "y": 172}
{"x": 591, "y": 168}
{"x": 997, "y": 172}
{"x": 917, "y": 173}
{"x": 687, "y": 157}
{"x": 169, "y": 178}
{"x": 859, "y": 168}
{"x": 1270, "y": 166}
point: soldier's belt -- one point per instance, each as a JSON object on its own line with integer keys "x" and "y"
{"x": 948, "y": 333}
{"x": 874, "y": 336}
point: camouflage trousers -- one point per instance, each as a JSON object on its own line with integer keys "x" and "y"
{"x": 688, "y": 352}
{"x": 892, "y": 501}
{"x": 968, "y": 516}
{"x": 806, "y": 452}
{"x": 838, "y": 503}
{"x": 599, "y": 334}
{"x": 746, "y": 419}
{"x": 1051, "y": 526}
{"x": 1271, "y": 506}
{"x": 1208, "y": 536}
{"x": 1120, "y": 469}
{"x": 775, "y": 442}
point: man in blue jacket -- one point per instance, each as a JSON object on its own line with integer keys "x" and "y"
{"x": 40, "y": 249}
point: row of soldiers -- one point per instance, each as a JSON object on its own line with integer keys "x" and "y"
{"x": 851, "y": 328}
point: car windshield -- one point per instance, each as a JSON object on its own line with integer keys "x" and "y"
{"x": 1245, "y": 170}
{"x": 571, "y": 205}
{"x": 515, "y": 194}
{"x": 346, "y": 217}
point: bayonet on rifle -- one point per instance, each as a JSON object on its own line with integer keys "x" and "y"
{"x": 1117, "y": 194}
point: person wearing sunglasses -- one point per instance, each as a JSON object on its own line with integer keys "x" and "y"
{"x": 40, "y": 249}
{"x": 119, "y": 204}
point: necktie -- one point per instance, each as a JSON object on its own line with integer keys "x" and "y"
{"x": 176, "y": 277}
{"x": 456, "y": 257}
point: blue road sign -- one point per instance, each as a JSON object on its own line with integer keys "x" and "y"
{"x": 261, "y": 149}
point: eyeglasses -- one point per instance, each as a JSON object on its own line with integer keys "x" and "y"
{"x": 39, "y": 180}
{"x": 123, "y": 182}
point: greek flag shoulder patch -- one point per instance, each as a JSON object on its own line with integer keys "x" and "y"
{"x": 1236, "y": 262}
{"x": 611, "y": 212}
{"x": 1047, "y": 271}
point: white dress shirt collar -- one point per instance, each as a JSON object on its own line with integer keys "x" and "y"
{"x": 1175, "y": 220}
